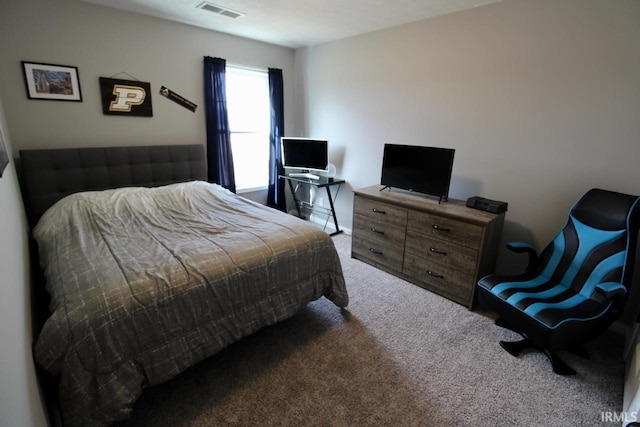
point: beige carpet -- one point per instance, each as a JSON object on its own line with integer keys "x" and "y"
{"x": 397, "y": 356}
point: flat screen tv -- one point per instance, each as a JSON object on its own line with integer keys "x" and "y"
{"x": 424, "y": 170}
{"x": 306, "y": 154}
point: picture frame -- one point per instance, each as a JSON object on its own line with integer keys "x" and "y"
{"x": 52, "y": 82}
{"x": 4, "y": 157}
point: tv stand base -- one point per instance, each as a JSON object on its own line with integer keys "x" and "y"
{"x": 304, "y": 175}
{"x": 440, "y": 198}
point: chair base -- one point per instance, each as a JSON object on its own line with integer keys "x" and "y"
{"x": 514, "y": 348}
{"x": 558, "y": 365}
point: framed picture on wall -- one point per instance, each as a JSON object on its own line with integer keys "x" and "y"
{"x": 52, "y": 82}
{"x": 4, "y": 157}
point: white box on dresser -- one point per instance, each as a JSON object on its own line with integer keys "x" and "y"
{"x": 443, "y": 247}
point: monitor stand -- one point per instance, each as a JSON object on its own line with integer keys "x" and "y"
{"x": 304, "y": 175}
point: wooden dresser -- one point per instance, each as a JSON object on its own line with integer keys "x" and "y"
{"x": 444, "y": 248}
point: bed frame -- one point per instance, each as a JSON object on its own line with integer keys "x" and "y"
{"x": 49, "y": 175}
{"x": 95, "y": 397}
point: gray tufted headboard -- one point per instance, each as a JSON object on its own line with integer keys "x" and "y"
{"x": 50, "y": 175}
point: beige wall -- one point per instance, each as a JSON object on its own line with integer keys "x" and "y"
{"x": 104, "y": 42}
{"x": 540, "y": 99}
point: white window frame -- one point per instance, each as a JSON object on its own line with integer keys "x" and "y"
{"x": 262, "y": 129}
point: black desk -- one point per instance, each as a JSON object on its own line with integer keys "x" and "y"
{"x": 298, "y": 183}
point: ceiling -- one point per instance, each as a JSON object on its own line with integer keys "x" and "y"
{"x": 295, "y": 23}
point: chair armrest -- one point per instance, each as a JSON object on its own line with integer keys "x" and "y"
{"x": 520, "y": 247}
{"x": 611, "y": 290}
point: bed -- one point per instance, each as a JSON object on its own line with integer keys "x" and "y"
{"x": 150, "y": 269}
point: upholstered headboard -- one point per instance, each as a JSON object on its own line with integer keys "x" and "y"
{"x": 50, "y": 175}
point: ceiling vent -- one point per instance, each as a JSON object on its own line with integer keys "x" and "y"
{"x": 209, "y": 7}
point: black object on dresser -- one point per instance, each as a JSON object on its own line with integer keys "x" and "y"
{"x": 488, "y": 205}
{"x": 444, "y": 248}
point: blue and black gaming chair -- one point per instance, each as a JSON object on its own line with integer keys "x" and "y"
{"x": 578, "y": 285}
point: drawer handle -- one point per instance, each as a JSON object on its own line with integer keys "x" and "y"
{"x": 375, "y": 251}
{"x": 377, "y": 211}
{"x": 376, "y": 231}
{"x": 435, "y": 251}
{"x": 432, "y": 274}
{"x": 438, "y": 228}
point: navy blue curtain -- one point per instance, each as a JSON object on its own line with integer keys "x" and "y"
{"x": 275, "y": 195}
{"x": 219, "y": 156}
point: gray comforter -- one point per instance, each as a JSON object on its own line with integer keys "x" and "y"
{"x": 147, "y": 282}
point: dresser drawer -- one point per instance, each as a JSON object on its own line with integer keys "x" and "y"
{"x": 440, "y": 227}
{"x": 376, "y": 253}
{"x": 378, "y": 229}
{"x": 444, "y": 280}
{"x": 443, "y": 252}
{"x": 380, "y": 211}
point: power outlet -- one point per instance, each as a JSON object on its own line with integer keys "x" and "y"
{"x": 321, "y": 201}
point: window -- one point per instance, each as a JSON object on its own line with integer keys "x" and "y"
{"x": 249, "y": 122}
